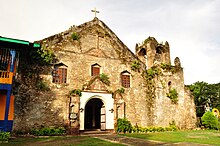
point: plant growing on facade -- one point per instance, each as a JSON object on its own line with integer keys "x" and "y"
{"x": 75, "y": 36}
{"x": 152, "y": 72}
{"x": 76, "y": 92}
{"x": 104, "y": 78}
{"x": 168, "y": 67}
{"x": 121, "y": 90}
{"x": 42, "y": 56}
{"x": 165, "y": 66}
{"x": 41, "y": 85}
{"x": 173, "y": 95}
{"x": 135, "y": 65}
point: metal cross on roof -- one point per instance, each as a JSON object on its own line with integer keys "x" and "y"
{"x": 95, "y": 11}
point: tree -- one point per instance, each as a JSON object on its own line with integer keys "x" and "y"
{"x": 205, "y": 93}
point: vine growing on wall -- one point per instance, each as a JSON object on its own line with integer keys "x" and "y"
{"x": 152, "y": 72}
{"x": 135, "y": 65}
{"x": 173, "y": 95}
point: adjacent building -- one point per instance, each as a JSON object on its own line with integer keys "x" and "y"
{"x": 9, "y": 59}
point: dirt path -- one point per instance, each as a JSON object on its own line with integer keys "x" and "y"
{"x": 128, "y": 140}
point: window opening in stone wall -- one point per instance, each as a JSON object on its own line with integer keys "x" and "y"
{"x": 142, "y": 52}
{"x": 159, "y": 50}
{"x": 125, "y": 79}
{"x": 59, "y": 75}
{"x": 95, "y": 69}
{"x": 169, "y": 85}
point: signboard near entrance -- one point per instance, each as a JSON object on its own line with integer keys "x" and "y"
{"x": 103, "y": 119}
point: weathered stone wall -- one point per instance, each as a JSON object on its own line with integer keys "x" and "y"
{"x": 50, "y": 108}
{"x": 165, "y": 111}
{"x": 152, "y": 53}
{"x": 155, "y": 55}
{"x": 36, "y": 107}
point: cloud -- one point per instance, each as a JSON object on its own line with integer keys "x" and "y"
{"x": 190, "y": 26}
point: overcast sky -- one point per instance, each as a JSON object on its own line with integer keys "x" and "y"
{"x": 192, "y": 27}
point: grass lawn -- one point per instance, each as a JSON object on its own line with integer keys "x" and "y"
{"x": 59, "y": 141}
{"x": 199, "y": 136}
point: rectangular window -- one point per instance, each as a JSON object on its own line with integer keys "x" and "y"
{"x": 59, "y": 75}
{"x": 125, "y": 79}
{"x": 95, "y": 71}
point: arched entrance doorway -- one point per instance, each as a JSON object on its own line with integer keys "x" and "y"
{"x": 93, "y": 114}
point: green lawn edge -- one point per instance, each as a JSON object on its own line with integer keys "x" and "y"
{"x": 193, "y": 136}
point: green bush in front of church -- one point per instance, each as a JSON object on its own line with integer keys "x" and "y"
{"x": 4, "y": 137}
{"x": 209, "y": 120}
{"x": 123, "y": 125}
{"x": 48, "y": 131}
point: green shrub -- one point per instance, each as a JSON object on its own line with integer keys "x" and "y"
{"x": 48, "y": 131}
{"x": 134, "y": 129}
{"x": 168, "y": 129}
{"x": 173, "y": 126}
{"x": 209, "y": 120}
{"x": 139, "y": 129}
{"x": 123, "y": 125}
{"x": 4, "y": 136}
{"x": 173, "y": 95}
{"x": 160, "y": 129}
{"x": 75, "y": 36}
{"x": 61, "y": 130}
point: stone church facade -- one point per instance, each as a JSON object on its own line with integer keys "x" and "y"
{"x": 96, "y": 79}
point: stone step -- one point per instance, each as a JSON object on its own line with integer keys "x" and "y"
{"x": 95, "y": 132}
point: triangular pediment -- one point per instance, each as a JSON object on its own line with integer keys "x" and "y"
{"x": 95, "y": 84}
{"x": 94, "y": 38}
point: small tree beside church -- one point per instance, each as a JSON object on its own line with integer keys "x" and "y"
{"x": 209, "y": 120}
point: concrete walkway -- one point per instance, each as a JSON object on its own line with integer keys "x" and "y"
{"x": 129, "y": 141}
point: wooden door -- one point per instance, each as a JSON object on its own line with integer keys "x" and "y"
{"x": 103, "y": 119}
